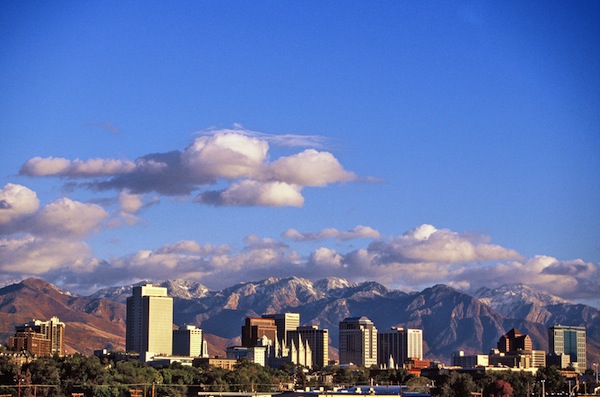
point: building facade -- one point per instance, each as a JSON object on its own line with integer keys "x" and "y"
{"x": 564, "y": 339}
{"x": 52, "y": 330}
{"x": 460, "y": 359}
{"x": 396, "y": 345}
{"x": 318, "y": 341}
{"x": 30, "y": 342}
{"x": 188, "y": 341}
{"x": 514, "y": 340}
{"x": 255, "y": 354}
{"x": 358, "y": 341}
{"x": 284, "y": 322}
{"x": 149, "y": 321}
{"x": 255, "y": 329}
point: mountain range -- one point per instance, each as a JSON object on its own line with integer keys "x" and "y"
{"x": 451, "y": 320}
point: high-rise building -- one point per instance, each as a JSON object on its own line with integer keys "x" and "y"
{"x": 52, "y": 330}
{"x": 188, "y": 341}
{"x": 255, "y": 329}
{"x": 317, "y": 339}
{"x": 515, "y": 350}
{"x": 358, "y": 341}
{"x": 30, "y": 341}
{"x": 149, "y": 321}
{"x": 514, "y": 340}
{"x": 284, "y": 322}
{"x": 397, "y": 345}
{"x": 564, "y": 339}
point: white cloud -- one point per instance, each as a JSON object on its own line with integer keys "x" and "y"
{"x": 225, "y": 155}
{"x": 236, "y": 157}
{"x": 414, "y": 260}
{"x": 359, "y": 231}
{"x": 192, "y": 247}
{"x": 53, "y": 166}
{"x": 254, "y": 193}
{"x": 130, "y": 203}
{"x": 326, "y": 258}
{"x": 37, "y": 256}
{"x": 310, "y": 168}
{"x": 428, "y": 244}
{"x": 16, "y": 201}
{"x": 65, "y": 217}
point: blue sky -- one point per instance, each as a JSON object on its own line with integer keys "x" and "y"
{"x": 411, "y": 143}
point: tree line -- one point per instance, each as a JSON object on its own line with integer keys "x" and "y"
{"x": 90, "y": 376}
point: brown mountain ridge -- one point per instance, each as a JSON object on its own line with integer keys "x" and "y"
{"x": 451, "y": 320}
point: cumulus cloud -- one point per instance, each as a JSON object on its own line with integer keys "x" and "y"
{"x": 359, "y": 231}
{"x": 254, "y": 193}
{"x": 129, "y": 202}
{"x": 571, "y": 279}
{"x": 310, "y": 168}
{"x": 16, "y": 201}
{"x": 37, "y": 256}
{"x": 236, "y": 157}
{"x": 325, "y": 258}
{"x": 575, "y": 267}
{"x": 428, "y": 244}
{"x": 225, "y": 155}
{"x": 56, "y": 166}
{"x": 413, "y": 260}
{"x": 65, "y": 217}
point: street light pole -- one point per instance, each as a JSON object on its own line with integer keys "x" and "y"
{"x": 596, "y": 365}
{"x": 543, "y": 387}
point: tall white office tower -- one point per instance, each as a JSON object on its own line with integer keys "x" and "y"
{"x": 149, "y": 322}
{"x": 358, "y": 341}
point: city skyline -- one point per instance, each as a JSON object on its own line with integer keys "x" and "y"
{"x": 408, "y": 144}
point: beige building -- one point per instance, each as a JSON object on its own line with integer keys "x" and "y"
{"x": 149, "y": 322}
{"x": 225, "y": 363}
{"x": 358, "y": 341}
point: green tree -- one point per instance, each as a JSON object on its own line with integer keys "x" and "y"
{"x": 455, "y": 384}
{"x": 45, "y": 371}
{"x": 554, "y": 381}
{"x": 8, "y": 371}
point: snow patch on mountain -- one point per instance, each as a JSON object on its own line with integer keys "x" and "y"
{"x": 519, "y": 301}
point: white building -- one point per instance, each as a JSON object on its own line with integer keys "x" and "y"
{"x": 149, "y": 322}
{"x": 255, "y": 354}
{"x": 188, "y": 341}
